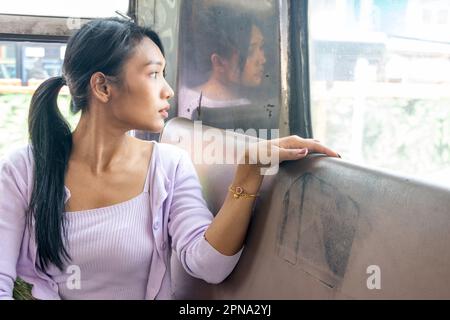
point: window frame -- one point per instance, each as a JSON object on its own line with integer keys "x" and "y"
{"x": 298, "y": 72}
{"x": 47, "y": 29}
{"x": 34, "y": 28}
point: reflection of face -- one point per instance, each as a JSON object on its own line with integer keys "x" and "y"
{"x": 252, "y": 74}
{"x": 231, "y": 67}
{"x": 145, "y": 92}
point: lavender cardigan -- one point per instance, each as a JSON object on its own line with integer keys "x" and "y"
{"x": 179, "y": 214}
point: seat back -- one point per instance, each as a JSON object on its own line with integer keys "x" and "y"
{"x": 325, "y": 228}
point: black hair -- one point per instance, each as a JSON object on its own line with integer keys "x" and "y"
{"x": 101, "y": 45}
{"x": 223, "y": 31}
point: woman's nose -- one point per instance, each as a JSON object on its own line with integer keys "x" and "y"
{"x": 167, "y": 92}
{"x": 262, "y": 57}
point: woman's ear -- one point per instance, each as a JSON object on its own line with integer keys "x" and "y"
{"x": 100, "y": 87}
{"x": 217, "y": 62}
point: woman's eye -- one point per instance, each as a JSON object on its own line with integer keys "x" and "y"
{"x": 154, "y": 75}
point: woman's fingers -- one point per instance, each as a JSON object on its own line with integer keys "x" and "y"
{"x": 288, "y": 148}
{"x": 319, "y": 148}
{"x": 268, "y": 153}
{"x": 292, "y": 154}
{"x": 295, "y": 142}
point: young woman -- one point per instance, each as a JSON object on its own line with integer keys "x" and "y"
{"x": 96, "y": 213}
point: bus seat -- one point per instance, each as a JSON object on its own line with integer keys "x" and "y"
{"x": 325, "y": 228}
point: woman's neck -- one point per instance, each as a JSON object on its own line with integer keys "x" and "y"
{"x": 98, "y": 144}
{"x": 217, "y": 90}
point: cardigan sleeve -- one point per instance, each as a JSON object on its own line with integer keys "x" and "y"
{"x": 188, "y": 220}
{"x": 13, "y": 204}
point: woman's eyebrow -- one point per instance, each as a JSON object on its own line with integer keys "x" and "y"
{"x": 153, "y": 62}
{"x": 257, "y": 42}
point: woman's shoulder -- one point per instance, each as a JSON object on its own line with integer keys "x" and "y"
{"x": 20, "y": 158}
{"x": 18, "y": 166}
{"x": 170, "y": 152}
{"x": 164, "y": 152}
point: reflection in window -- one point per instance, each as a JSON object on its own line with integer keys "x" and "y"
{"x": 229, "y": 64}
{"x": 380, "y": 91}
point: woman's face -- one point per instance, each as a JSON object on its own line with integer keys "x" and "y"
{"x": 141, "y": 101}
{"x": 253, "y": 72}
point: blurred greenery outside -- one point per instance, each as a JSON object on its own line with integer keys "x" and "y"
{"x": 409, "y": 136}
{"x": 14, "y": 120}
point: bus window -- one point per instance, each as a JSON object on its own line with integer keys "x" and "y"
{"x": 23, "y": 66}
{"x": 7, "y": 62}
{"x": 41, "y": 61}
{"x": 380, "y": 83}
{"x": 229, "y": 64}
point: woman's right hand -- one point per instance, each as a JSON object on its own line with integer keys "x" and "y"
{"x": 272, "y": 152}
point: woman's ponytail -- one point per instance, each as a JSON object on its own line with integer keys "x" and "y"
{"x": 51, "y": 141}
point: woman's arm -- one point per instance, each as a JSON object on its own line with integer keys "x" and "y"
{"x": 228, "y": 229}
{"x": 12, "y": 225}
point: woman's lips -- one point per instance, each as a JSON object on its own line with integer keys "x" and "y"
{"x": 164, "y": 112}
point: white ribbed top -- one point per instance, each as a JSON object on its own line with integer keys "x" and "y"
{"x": 111, "y": 247}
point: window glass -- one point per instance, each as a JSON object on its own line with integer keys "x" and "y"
{"x": 380, "y": 82}
{"x": 27, "y": 63}
{"x": 229, "y": 63}
{"x": 7, "y": 62}
{"x": 23, "y": 66}
{"x": 41, "y": 61}
{"x": 79, "y": 8}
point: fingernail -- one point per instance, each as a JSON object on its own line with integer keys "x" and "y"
{"x": 303, "y": 151}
